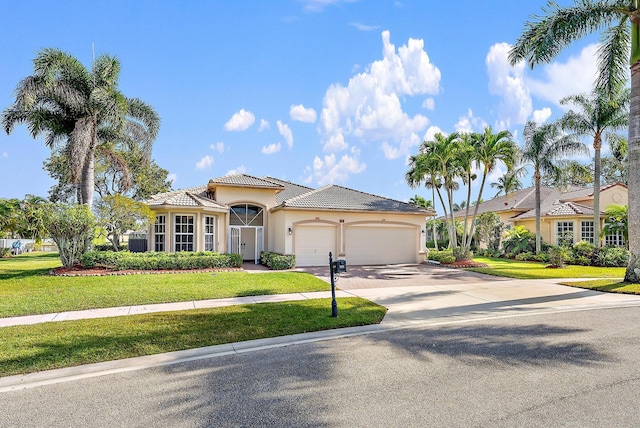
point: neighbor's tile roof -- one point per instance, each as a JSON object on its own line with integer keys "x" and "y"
{"x": 333, "y": 197}
{"x": 521, "y": 200}
{"x": 191, "y": 197}
{"x": 554, "y": 204}
{"x": 244, "y": 180}
{"x": 291, "y": 190}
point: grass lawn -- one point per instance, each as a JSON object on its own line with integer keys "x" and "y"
{"x": 26, "y": 289}
{"x": 534, "y": 270}
{"x": 53, "y": 345}
{"x": 609, "y": 285}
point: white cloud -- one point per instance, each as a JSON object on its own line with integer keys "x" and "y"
{"x": 219, "y": 147}
{"x": 561, "y": 79}
{"x": 204, "y": 163}
{"x": 508, "y": 82}
{"x": 369, "y": 108}
{"x": 363, "y": 27}
{"x": 240, "y": 121}
{"x": 5, "y": 154}
{"x": 470, "y": 123}
{"x": 335, "y": 143}
{"x": 239, "y": 170}
{"x": 319, "y": 5}
{"x": 541, "y": 116}
{"x": 285, "y": 131}
{"x": 431, "y": 133}
{"x": 429, "y": 104}
{"x": 302, "y": 114}
{"x": 263, "y": 125}
{"x": 328, "y": 170}
{"x": 271, "y": 149}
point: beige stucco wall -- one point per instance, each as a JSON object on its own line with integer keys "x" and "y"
{"x": 294, "y": 218}
{"x": 233, "y": 195}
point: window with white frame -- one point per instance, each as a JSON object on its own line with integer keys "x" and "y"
{"x": 209, "y": 234}
{"x": 587, "y": 231}
{"x": 184, "y": 233}
{"x": 159, "y": 229}
{"x": 614, "y": 239}
{"x": 564, "y": 232}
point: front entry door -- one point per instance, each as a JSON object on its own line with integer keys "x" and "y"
{"x": 246, "y": 241}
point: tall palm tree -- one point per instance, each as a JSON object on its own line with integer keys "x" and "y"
{"x": 489, "y": 150}
{"x": 615, "y": 167}
{"x": 544, "y": 145}
{"x": 598, "y": 112}
{"x": 619, "y": 23}
{"x": 421, "y": 202}
{"x": 78, "y": 109}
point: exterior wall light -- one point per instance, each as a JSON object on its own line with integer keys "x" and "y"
{"x": 290, "y": 231}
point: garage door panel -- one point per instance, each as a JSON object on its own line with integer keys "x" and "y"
{"x": 374, "y": 245}
{"x": 313, "y": 244}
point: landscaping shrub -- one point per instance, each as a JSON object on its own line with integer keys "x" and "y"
{"x": 109, "y": 247}
{"x": 583, "y": 249}
{"x": 159, "y": 261}
{"x": 558, "y": 255}
{"x": 4, "y": 252}
{"x": 525, "y": 256}
{"x": 460, "y": 253}
{"x": 519, "y": 240}
{"x": 611, "y": 257}
{"x": 542, "y": 257}
{"x": 277, "y": 261}
{"x": 438, "y": 255}
{"x": 442, "y": 243}
{"x": 446, "y": 259}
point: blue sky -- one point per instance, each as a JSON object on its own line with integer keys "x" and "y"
{"x": 311, "y": 91}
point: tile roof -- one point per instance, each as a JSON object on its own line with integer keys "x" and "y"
{"x": 291, "y": 190}
{"x": 333, "y": 197}
{"x": 556, "y": 204}
{"x": 244, "y": 180}
{"x": 521, "y": 200}
{"x": 191, "y": 197}
{"x": 570, "y": 208}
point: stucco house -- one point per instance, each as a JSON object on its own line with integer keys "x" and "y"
{"x": 561, "y": 211}
{"x": 245, "y": 215}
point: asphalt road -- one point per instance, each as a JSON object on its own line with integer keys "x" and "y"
{"x": 562, "y": 369}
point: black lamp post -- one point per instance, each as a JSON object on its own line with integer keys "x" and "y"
{"x": 334, "y": 304}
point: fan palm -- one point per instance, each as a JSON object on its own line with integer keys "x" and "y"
{"x": 619, "y": 23}
{"x": 544, "y": 145}
{"x": 77, "y": 109}
{"x": 509, "y": 182}
{"x": 597, "y": 113}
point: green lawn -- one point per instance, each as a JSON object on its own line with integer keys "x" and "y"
{"x": 26, "y": 288}
{"x": 609, "y": 285}
{"x": 53, "y": 345}
{"x": 533, "y": 270}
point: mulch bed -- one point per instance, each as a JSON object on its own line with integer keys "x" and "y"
{"x": 466, "y": 264}
{"x": 103, "y": 271}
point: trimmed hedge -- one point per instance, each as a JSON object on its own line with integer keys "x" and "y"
{"x": 158, "y": 261}
{"x": 277, "y": 261}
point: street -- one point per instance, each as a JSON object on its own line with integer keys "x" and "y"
{"x": 575, "y": 368}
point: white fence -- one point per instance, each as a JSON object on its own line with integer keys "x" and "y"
{"x": 18, "y": 244}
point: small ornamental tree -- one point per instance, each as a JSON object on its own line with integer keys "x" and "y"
{"x": 117, "y": 214}
{"x": 489, "y": 228}
{"x": 71, "y": 227}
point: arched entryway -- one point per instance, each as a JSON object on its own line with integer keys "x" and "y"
{"x": 246, "y": 231}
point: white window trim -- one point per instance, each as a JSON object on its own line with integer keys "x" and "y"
{"x": 573, "y": 229}
{"x": 163, "y": 233}
{"x": 205, "y": 233}
{"x": 175, "y": 234}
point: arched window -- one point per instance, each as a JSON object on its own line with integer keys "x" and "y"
{"x": 246, "y": 215}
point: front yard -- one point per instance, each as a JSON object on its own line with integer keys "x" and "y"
{"x": 26, "y": 288}
{"x": 534, "y": 270}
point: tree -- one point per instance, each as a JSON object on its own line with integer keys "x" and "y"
{"x": 71, "y": 227}
{"x": 489, "y": 228}
{"x": 33, "y": 217}
{"x": 598, "y": 112}
{"x": 544, "y": 146}
{"x": 77, "y": 110}
{"x": 614, "y": 166}
{"x": 117, "y": 214}
{"x": 509, "y": 182}
{"x": 545, "y": 37}
{"x": 421, "y": 202}
{"x": 459, "y": 206}
{"x": 9, "y": 217}
{"x": 570, "y": 173}
{"x": 489, "y": 149}
{"x": 616, "y": 221}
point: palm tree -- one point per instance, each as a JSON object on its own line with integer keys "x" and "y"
{"x": 544, "y": 38}
{"x": 489, "y": 149}
{"x": 509, "y": 182}
{"x": 544, "y": 145}
{"x": 614, "y": 167}
{"x": 78, "y": 109}
{"x": 597, "y": 113}
{"x": 421, "y": 202}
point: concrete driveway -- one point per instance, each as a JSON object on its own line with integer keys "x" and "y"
{"x": 433, "y": 294}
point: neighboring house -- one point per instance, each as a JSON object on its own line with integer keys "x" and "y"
{"x": 561, "y": 212}
{"x": 245, "y": 215}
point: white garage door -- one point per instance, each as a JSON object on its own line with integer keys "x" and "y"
{"x": 374, "y": 245}
{"x": 313, "y": 243}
